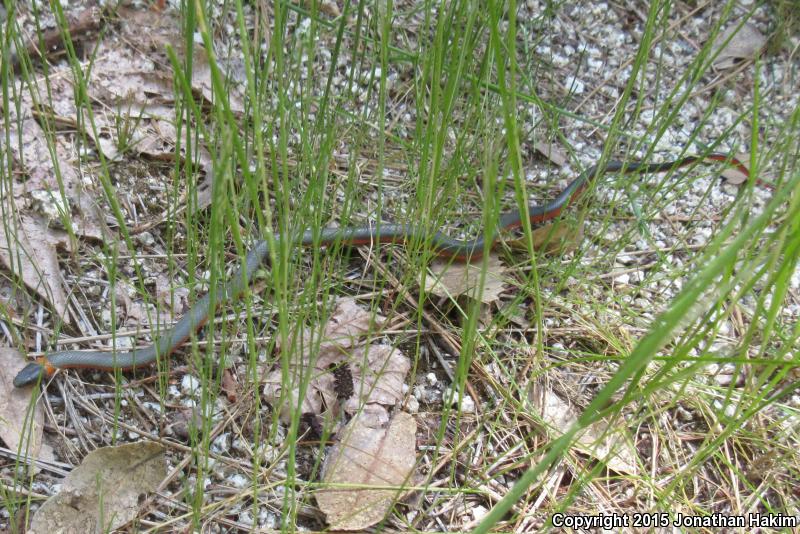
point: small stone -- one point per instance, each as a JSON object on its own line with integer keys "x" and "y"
{"x": 467, "y": 404}
{"x": 412, "y": 405}
{"x": 574, "y": 85}
{"x": 479, "y": 512}
{"x": 622, "y": 279}
{"x": 222, "y": 443}
{"x": 190, "y": 384}
{"x": 239, "y": 481}
{"x": 146, "y": 238}
{"x": 152, "y": 406}
{"x": 51, "y": 205}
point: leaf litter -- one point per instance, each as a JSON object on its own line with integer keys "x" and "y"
{"x": 367, "y": 455}
{"x": 603, "y": 440}
{"x": 133, "y": 111}
{"x": 161, "y": 140}
{"x": 737, "y": 43}
{"x": 377, "y": 447}
{"x": 33, "y": 228}
{"x": 21, "y": 427}
{"x": 105, "y": 491}
{"x": 450, "y": 280}
{"x": 378, "y": 370}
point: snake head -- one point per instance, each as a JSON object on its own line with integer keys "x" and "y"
{"x": 30, "y": 374}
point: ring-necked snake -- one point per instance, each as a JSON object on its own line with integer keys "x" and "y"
{"x": 463, "y": 250}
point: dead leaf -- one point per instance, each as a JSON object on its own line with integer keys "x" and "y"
{"x": 735, "y": 44}
{"x": 138, "y": 99}
{"x": 551, "y": 151}
{"x": 138, "y": 312}
{"x": 229, "y": 386}
{"x": 553, "y": 238}
{"x": 175, "y": 299}
{"x": 165, "y": 30}
{"x": 348, "y": 324}
{"x": 378, "y": 373}
{"x": 319, "y": 396}
{"x": 342, "y": 343}
{"x": 29, "y": 145}
{"x": 201, "y": 82}
{"x": 735, "y": 175}
{"x": 597, "y": 440}
{"x": 454, "y": 279}
{"x": 183, "y": 421}
{"x": 80, "y": 27}
{"x": 367, "y": 456}
{"x": 114, "y": 478}
{"x": 517, "y": 314}
{"x": 20, "y": 426}
{"x": 31, "y": 255}
{"x": 143, "y": 99}
{"x": 56, "y": 191}
{"x": 328, "y": 7}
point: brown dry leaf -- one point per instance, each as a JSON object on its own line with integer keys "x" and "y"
{"x": 201, "y": 82}
{"x": 29, "y": 146}
{"x": 597, "y": 440}
{"x": 165, "y": 30}
{"x": 183, "y": 420}
{"x": 551, "y": 151}
{"x": 379, "y": 372}
{"x": 157, "y": 140}
{"x": 137, "y": 115}
{"x": 349, "y": 323}
{"x": 328, "y": 7}
{"x": 552, "y": 238}
{"x": 143, "y": 99}
{"x": 138, "y": 98}
{"x": 454, "y": 279}
{"x": 515, "y": 313}
{"x": 175, "y": 299}
{"x": 114, "y": 477}
{"x": 229, "y": 386}
{"x": 138, "y": 312}
{"x": 733, "y": 174}
{"x": 342, "y": 344}
{"x": 18, "y": 424}
{"x": 320, "y": 396}
{"x": 129, "y": 83}
{"x": 31, "y": 255}
{"x": 49, "y": 43}
{"x": 745, "y": 43}
{"x": 367, "y": 455}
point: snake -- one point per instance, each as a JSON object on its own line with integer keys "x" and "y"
{"x": 441, "y": 244}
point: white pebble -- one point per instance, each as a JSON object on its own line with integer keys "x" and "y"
{"x": 574, "y": 85}
{"x": 622, "y": 279}
{"x": 190, "y": 384}
{"x": 239, "y": 481}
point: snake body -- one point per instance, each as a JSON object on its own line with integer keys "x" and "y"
{"x": 462, "y": 250}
